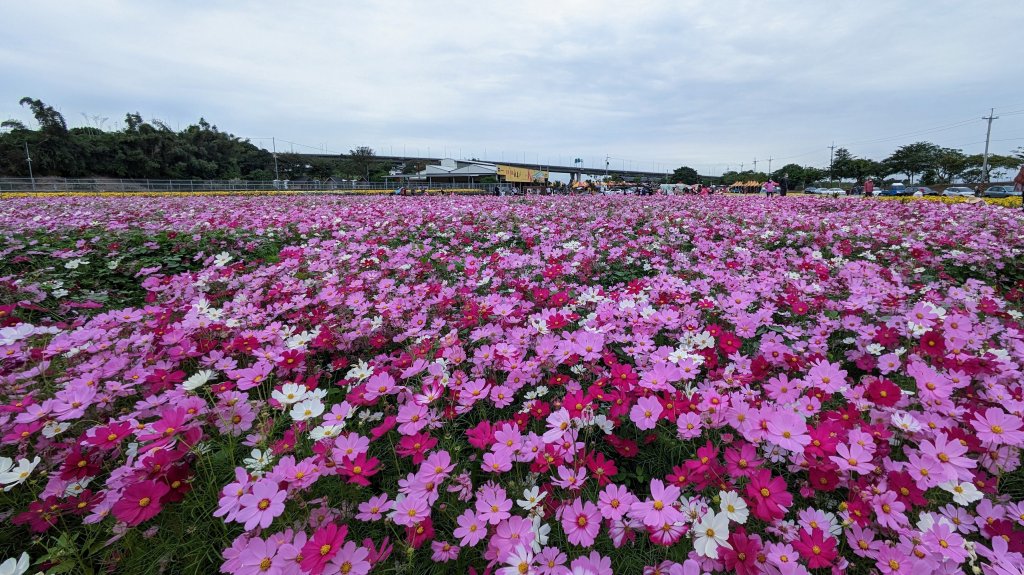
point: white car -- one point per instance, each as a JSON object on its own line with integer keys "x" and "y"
{"x": 958, "y": 191}
{"x": 834, "y": 191}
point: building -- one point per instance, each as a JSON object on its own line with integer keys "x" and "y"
{"x": 454, "y": 173}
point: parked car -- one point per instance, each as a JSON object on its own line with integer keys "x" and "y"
{"x": 958, "y": 191}
{"x": 835, "y": 192}
{"x": 811, "y": 190}
{"x": 999, "y": 192}
{"x": 925, "y": 191}
{"x": 857, "y": 190}
{"x": 891, "y": 192}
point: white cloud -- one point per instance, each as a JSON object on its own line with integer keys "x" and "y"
{"x": 661, "y": 83}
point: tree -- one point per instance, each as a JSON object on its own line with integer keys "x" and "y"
{"x": 843, "y": 164}
{"x": 685, "y": 175}
{"x": 913, "y": 159}
{"x": 50, "y": 121}
{"x": 361, "y": 159}
{"x": 950, "y": 164}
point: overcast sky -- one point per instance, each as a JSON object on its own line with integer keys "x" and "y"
{"x": 652, "y": 84}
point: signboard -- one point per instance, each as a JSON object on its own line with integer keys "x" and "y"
{"x": 515, "y": 174}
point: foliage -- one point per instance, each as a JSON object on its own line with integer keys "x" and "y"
{"x": 685, "y": 175}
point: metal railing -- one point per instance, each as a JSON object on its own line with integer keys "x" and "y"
{"x": 185, "y": 186}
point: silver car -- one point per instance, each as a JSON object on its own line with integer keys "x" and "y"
{"x": 958, "y": 191}
{"x": 1000, "y": 192}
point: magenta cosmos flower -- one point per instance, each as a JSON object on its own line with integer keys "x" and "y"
{"x": 324, "y": 545}
{"x": 262, "y": 505}
{"x": 140, "y": 501}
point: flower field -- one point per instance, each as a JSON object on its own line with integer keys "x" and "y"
{"x": 571, "y": 385}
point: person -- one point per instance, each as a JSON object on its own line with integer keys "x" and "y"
{"x": 785, "y": 184}
{"x": 769, "y": 188}
{"x": 869, "y": 188}
{"x": 1018, "y": 184}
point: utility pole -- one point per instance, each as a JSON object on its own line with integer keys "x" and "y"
{"x": 273, "y": 143}
{"x": 769, "y": 165}
{"x": 755, "y": 165}
{"x": 606, "y": 158}
{"x": 28, "y": 159}
{"x": 988, "y": 134}
{"x": 831, "y": 158}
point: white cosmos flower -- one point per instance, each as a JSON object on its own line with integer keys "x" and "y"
{"x": 540, "y": 533}
{"x": 290, "y": 393}
{"x": 10, "y": 335}
{"x": 325, "y": 431}
{"x": 531, "y": 497}
{"x": 54, "y": 428}
{"x": 307, "y": 409}
{"x": 14, "y": 566}
{"x": 906, "y": 422}
{"x": 710, "y": 533}
{"x": 963, "y": 493}
{"x": 198, "y": 379}
{"x": 734, "y": 506}
{"x": 359, "y": 372}
{"x": 19, "y": 473}
{"x": 222, "y": 259}
{"x": 257, "y": 460}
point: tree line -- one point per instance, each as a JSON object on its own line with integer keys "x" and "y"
{"x": 152, "y": 150}
{"x": 923, "y": 162}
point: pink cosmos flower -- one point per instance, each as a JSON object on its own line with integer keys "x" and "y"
{"x": 571, "y": 479}
{"x": 511, "y": 533}
{"x": 471, "y": 528}
{"x": 689, "y": 425}
{"x": 231, "y": 495}
{"x": 853, "y": 458}
{"x": 519, "y": 561}
{"x": 889, "y": 510}
{"x": 140, "y": 501}
{"x": 260, "y": 558}
{"x": 646, "y": 412}
{"x": 437, "y": 466}
{"x": 410, "y": 511}
{"x": 444, "y": 551}
{"x": 412, "y": 418}
{"x": 262, "y": 505}
{"x": 581, "y": 522}
{"x": 492, "y": 504}
{"x": 659, "y": 508}
{"x": 351, "y": 560}
{"x": 788, "y": 430}
{"x": 615, "y": 501}
{"x": 999, "y": 428}
{"x": 950, "y": 456}
{"x": 374, "y": 508}
{"x": 550, "y": 561}
{"x": 496, "y": 462}
{"x": 946, "y": 542}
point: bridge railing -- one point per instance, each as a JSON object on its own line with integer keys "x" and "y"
{"x": 185, "y": 186}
